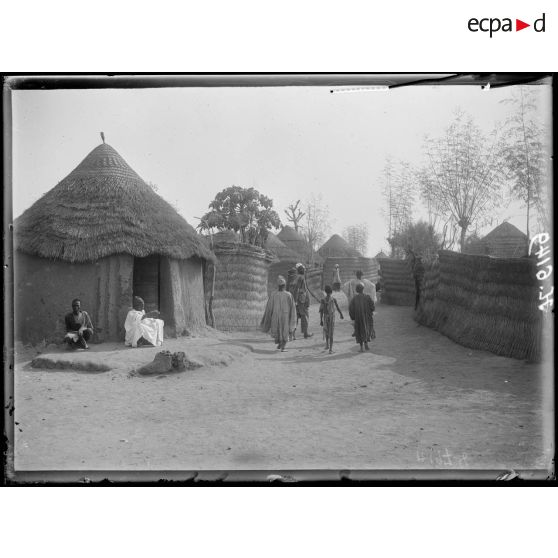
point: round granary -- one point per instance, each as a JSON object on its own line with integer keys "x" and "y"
{"x": 240, "y": 289}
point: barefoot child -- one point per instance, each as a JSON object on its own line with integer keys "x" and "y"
{"x": 327, "y": 317}
{"x": 361, "y": 310}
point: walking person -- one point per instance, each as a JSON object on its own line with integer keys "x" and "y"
{"x": 349, "y": 288}
{"x": 327, "y": 316}
{"x": 280, "y": 315}
{"x": 361, "y": 310}
{"x": 302, "y": 300}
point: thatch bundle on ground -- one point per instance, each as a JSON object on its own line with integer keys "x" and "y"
{"x": 484, "y": 303}
{"x": 504, "y": 241}
{"x": 240, "y": 289}
{"x": 103, "y": 235}
{"x": 348, "y": 266}
{"x": 397, "y": 282}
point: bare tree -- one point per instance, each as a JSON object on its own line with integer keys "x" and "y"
{"x": 462, "y": 178}
{"x": 294, "y": 214}
{"x": 316, "y": 224}
{"x": 399, "y": 193}
{"x": 357, "y": 237}
{"x": 524, "y": 152}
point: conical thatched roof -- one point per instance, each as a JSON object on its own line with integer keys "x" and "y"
{"x": 337, "y": 247}
{"x": 295, "y": 241}
{"x": 504, "y": 241}
{"x": 381, "y": 254}
{"x": 505, "y": 230}
{"x": 273, "y": 244}
{"x": 101, "y": 208}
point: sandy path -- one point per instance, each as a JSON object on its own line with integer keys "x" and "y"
{"x": 417, "y": 400}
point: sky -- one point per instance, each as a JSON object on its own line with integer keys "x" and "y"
{"x": 287, "y": 142}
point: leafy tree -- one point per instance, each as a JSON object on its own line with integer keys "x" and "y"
{"x": 525, "y": 154}
{"x": 294, "y": 215}
{"x": 244, "y": 211}
{"x": 419, "y": 237}
{"x": 462, "y": 178}
{"x": 357, "y": 237}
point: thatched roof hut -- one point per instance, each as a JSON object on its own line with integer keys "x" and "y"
{"x": 298, "y": 244}
{"x": 337, "y": 247}
{"x": 103, "y": 235}
{"x": 381, "y": 254}
{"x": 280, "y": 249}
{"x": 504, "y": 241}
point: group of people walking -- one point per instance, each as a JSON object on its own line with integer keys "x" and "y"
{"x": 291, "y": 303}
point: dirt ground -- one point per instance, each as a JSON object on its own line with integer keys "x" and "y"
{"x": 417, "y": 400}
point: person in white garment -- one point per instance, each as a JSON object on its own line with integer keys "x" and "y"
{"x": 349, "y": 288}
{"x": 142, "y": 328}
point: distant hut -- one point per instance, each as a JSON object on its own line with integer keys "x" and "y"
{"x": 381, "y": 254}
{"x": 298, "y": 244}
{"x": 103, "y": 235}
{"x": 504, "y": 241}
{"x": 338, "y": 252}
{"x": 338, "y": 247}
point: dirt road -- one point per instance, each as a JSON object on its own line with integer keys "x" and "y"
{"x": 416, "y": 401}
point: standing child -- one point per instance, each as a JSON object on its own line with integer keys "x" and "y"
{"x": 327, "y": 317}
{"x": 361, "y": 310}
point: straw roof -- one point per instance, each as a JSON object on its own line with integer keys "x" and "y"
{"x": 337, "y": 247}
{"x": 273, "y": 244}
{"x": 381, "y": 254}
{"x": 505, "y": 230}
{"x": 295, "y": 241}
{"x": 101, "y": 208}
{"x": 504, "y": 241}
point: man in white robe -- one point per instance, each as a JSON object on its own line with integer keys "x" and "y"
{"x": 280, "y": 315}
{"x": 349, "y": 288}
{"x": 142, "y": 328}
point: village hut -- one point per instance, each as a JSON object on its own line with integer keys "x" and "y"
{"x": 380, "y": 254}
{"x": 103, "y": 235}
{"x": 237, "y": 285}
{"x": 338, "y": 247}
{"x": 338, "y": 252}
{"x": 298, "y": 244}
{"x": 286, "y": 259}
{"x": 504, "y": 241}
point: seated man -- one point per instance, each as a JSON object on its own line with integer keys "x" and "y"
{"x": 79, "y": 328}
{"x": 142, "y": 328}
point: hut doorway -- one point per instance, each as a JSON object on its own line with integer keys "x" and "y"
{"x": 147, "y": 281}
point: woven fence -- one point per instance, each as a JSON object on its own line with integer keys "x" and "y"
{"x": 240, "y": 288}
{"x": 348, "y": 267}
{"x": 484, "y": 303}
{"x": 398, "y": 285}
